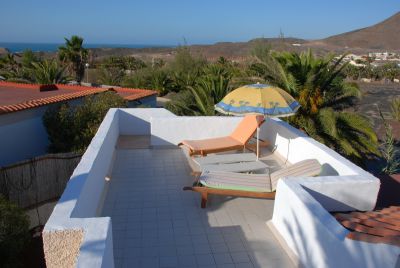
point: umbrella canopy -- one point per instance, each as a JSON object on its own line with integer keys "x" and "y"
{"x": 259, "y": 99}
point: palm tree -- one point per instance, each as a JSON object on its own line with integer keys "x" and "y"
{"x": 48, "y": 72}
{"x": 318, "y": 85}
{"x": 209, "y": 89}
{"x": 75, "y": 55}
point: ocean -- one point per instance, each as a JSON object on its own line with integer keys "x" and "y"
{"x": 51, "y": 47}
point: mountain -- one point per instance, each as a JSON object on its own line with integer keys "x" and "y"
{"x": 382, "y": 36}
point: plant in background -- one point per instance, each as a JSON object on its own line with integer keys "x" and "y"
{"x": 14, "y": 233}
{"x": 111, "y": 75}
{"x": 134, "y": 64}
{"x": 318, "y": 85}
{"x": 185, "y": 68}
{"x": 209, "y": 89}
{"x": 159, "y": 80}
{"x": 136, "y": 80}
{"x": 47, "y": 72}
{"x": 71, "y": 128}
{"x": 11, "y": 70}
{"x": 389, "y": 151}
{"x": 75, "y": 55}
{"x": 27, "y": 58}
{"x": 395, "y": 108}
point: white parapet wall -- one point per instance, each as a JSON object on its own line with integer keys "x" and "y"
{"x": 75, "y": 234}
{"x": 77, "y": 209}
{"x": 172, "y": 130}
{"x": 314, "y": 237}
{"x": 137, "y": 121}
{"x": 302, "y": 207}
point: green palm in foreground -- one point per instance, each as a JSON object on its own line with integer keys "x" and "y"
{"x": 75, "y": 54}
{"x": 318, "y": 85}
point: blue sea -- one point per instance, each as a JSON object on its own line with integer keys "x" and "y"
{"x": 51, "y": 47}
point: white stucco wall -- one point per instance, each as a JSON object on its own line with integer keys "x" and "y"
{"x": 295, "y": 145}
{"x": 79, "y": 204}
{"x": 137, "y": 121}
{"x": 314, "y": 235}
{"x": 22, "y": 136}
{"x": 172, "y": 130}
{"x": 82, "y": 199}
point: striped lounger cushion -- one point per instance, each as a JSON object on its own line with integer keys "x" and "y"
{"x": 258, "y": 182}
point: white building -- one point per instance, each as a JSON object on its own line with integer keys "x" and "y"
{"x": 22, "y": 134}
{"x": 124, "y": 205}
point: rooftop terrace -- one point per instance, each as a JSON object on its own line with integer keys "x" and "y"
{"x": 156, "y": 224}
{"x": 124, "y": 205}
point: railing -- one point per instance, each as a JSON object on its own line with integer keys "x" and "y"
{"x": 38, "y": 180}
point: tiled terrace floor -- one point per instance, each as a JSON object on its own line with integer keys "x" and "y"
{"x": 156, "y": 224}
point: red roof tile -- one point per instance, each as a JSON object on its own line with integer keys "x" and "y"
{"x": 381, "y": 226}
{"x": 16, "y": 96}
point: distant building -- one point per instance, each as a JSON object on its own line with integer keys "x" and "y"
{"x": 22, "y": 134}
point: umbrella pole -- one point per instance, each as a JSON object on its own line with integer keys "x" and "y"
{"x": 258, "y": 148}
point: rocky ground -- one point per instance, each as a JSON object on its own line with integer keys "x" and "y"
{"x": 379, "y": 94}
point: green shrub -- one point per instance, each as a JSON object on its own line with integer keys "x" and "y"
{"x": 395, "y": 108}
{"x": 14, "y": 233}
{"x": 72, "y": 128}
{"x": 389, "y": 151}
{"x": 111, "y": 76}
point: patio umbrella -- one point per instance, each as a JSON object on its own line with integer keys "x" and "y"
{"x": 258, "y": 98}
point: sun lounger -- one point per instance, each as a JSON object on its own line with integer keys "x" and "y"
{"x": 236, "y": 167}
{"x": 224, "y": 159}
{"x": 237, "y": 140}
{"x": 250, "y": 185}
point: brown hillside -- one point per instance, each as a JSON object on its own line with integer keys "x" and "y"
{"x": 384, "y": 35}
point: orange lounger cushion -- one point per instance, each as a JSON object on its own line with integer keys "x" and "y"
{"x": 212, "y": 144}
{"x": 236, "y": 140}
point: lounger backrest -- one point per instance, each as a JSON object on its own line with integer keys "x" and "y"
{"x": 306, "y": 168}
{"x": 246, "y": 128}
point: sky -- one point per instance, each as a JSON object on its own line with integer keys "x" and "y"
{"x": 173, "y": 22}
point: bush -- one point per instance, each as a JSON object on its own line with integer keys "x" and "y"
{"x": 395, "y": 108}
{"x": 389, "y": 151}
{"x": 71, "y": 128}
{"x": 14, "y": 233}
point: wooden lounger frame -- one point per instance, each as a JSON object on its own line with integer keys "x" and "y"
{"x": 210, "y": 151}
{"x": 205, "y": 191}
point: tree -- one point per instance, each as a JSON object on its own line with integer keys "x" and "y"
{"x": 75, "y": 55}
{"x": 111, "y": 76}
{"x": 318, "y": 85}
{"x": 71, "y": 128}
{"x": 28, "y": 57}
{"x": 209, "y": 89}
{"x": 47, "y": 72}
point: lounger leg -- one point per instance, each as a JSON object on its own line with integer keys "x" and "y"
{"x": 204, "y": 198}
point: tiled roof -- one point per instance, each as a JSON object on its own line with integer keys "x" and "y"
{"x": 381, "y": 226}
{"x": 16, "y": 96}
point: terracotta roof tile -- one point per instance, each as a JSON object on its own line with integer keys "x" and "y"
{"x": 16, "y": 96}
{"x": 381, "y": 226}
